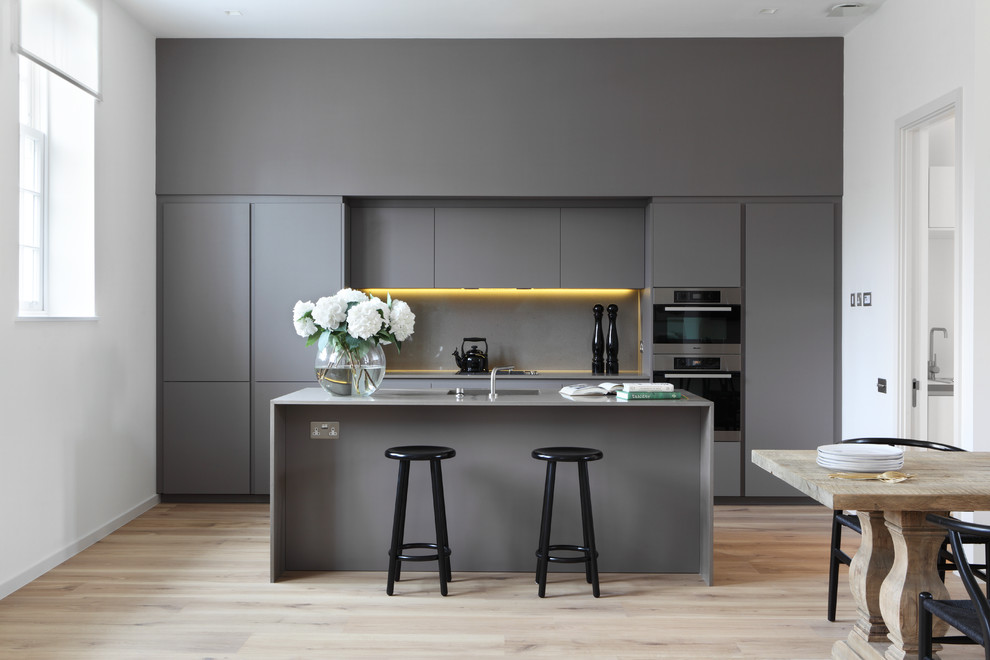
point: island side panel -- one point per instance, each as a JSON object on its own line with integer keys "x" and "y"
{"x": 277, "y": 489}
{"x": 706, "y": 432}
{"x": 339, "y": 494}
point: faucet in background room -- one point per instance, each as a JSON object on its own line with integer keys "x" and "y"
{"x": 932, "y": 358}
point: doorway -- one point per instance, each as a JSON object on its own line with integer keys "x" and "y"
{"x": 929, "y": 262}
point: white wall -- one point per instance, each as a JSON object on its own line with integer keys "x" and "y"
{"x": 904, "y": 57}
{"x": 77, "y": 399}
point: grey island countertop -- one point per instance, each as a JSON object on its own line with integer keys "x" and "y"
{"x": 475, "y": 395}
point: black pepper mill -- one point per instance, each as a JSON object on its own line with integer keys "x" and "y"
{"x": 612, "y": 343}
{"x": 598, "y": 343}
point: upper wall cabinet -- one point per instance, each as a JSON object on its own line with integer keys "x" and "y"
{"x": 206, "y": 310}
{"x": 497, "y": 247}
{"x": 602, "y": 248}
{"x": 391, "y": 247}
{"x": 297, "y": 254}
{"x": 697, "y": 245}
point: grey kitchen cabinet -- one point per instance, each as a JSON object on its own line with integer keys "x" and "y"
{"x": 790, "y": 333}
{"x": 497, "y": 247}
{"x": 602, "y": 248}
{"x": 697, "y": 245}
{"x": 205, "y": 271}
{"x": 391, "y": 247}
{"x": 261, "y": 397}
{"x": 297, "y": 252}
{"x": 728, "y": 469}
{"x": 205, "y": 431}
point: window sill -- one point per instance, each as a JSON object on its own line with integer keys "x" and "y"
{"x": 46, "y": 317}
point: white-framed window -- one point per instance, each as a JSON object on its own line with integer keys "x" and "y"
{"x": 58, "y": 43}
{"x": 33, "y": 212}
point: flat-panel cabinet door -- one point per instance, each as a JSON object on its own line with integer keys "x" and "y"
{"x": 602, "y": 248}
{"x": 697, "y": 245}
{"x": 497, "y": 247}
{"x": 790, "y": 333}
{"x": 728, "y": 471}
{"x": 297, "y": 254}
{"x": 261, "y": 430}
{"x": 206, "y": 306}
{"x": 391, "y": 247}
{"x": 206, "y": 441}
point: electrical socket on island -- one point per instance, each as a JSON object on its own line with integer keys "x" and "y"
{"x": 321, "y": 430}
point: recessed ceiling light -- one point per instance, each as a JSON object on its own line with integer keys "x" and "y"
{"x": 846, "y": 9}
{"x": 233, "y": 12}
{"x": 769, "y": 11}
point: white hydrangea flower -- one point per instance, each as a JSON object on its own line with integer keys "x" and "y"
{"x": 305, "y": 327}
{"x": 301, "y": 308}
{"x": 350, "y": 295}
{"x": 329, "y": 312}
{"x": 365, "y": 319}
{"x": 402, "y": 319}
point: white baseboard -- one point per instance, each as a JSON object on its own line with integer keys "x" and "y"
{"x": 53, "y": 560}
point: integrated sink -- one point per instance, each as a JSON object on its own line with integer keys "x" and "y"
{"x": 476, "y": 391}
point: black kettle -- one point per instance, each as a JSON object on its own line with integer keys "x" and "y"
{"x": 472, "y": 361}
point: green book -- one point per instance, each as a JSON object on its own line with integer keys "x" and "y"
{"x": 629, "y": 396}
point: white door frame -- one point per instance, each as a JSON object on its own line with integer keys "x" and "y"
{"x": 912, "y": 260}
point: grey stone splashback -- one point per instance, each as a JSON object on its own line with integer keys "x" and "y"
{"x": 547, "y": 330}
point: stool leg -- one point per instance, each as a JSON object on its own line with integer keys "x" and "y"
{"x": 544, "y": 558}
{"x": 440, "y": 522}
{"x": 589, "y": 528}
{"x": 443, "y": 517}
{"x": 398, "y": 526}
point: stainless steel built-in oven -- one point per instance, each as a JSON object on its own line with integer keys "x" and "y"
{"x": 697, "y": 321}
{"x": 716, "y": 377}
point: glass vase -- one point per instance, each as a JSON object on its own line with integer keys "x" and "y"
{"x": 350, "y": 372}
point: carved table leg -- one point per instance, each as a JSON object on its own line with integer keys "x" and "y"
{"x": 869, "y": 567}
{"x": 916, "y": 545}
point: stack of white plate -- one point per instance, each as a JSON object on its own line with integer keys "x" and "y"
{"x": 861, "y": 458}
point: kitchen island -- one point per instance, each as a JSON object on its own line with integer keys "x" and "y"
{"x": 332, "y": 498}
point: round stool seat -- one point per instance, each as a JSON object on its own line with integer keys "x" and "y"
{"x": 419, "y": 453}
{"x": 568, "y": 454}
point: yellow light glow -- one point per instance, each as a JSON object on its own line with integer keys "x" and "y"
{"x": 555, "y": 293}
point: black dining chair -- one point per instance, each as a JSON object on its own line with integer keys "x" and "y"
{"x": 970, "y": 617}
{"x": 842, "y": 519}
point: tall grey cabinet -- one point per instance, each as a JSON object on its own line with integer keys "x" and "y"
{"x": 790, "y": 333}
{"x": 296, "y": 254}
{"x": 231, "y": 270}
{"x": 205, "y": 348}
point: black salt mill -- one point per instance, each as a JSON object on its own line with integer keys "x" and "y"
{"x": 612, "y": 343}
{"x": 598, "y": 343}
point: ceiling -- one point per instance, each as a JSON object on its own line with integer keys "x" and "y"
{"x": 492, "y": 19}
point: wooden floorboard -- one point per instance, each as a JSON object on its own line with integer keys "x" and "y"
{"x": 191, "y": 581}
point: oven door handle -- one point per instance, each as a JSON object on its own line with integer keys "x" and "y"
{"x": 697, "y": 309}
{"x": 697, "y": 375}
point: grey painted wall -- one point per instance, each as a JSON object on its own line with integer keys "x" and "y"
{"x": 600, "y": 117}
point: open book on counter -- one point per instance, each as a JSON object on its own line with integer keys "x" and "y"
{"x": 584, "y": 389}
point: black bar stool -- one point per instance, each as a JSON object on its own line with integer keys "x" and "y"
{"x": 396, "y": 554}
{"x": 588, "y": 554}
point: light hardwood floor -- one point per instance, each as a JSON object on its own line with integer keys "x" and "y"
{"x": 191, "y": 581}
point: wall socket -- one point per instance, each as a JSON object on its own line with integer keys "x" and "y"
{"x": 321, "y": 430}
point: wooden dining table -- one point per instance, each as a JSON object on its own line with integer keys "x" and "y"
{"x": 896, "y": 559}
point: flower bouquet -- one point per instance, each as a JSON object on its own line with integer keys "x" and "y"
{"x": 349, "y": 329}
